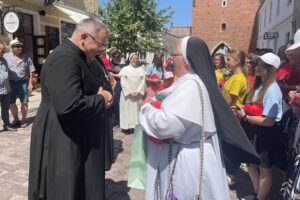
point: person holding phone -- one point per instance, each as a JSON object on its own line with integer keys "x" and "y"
{"x": 263, "y": 130}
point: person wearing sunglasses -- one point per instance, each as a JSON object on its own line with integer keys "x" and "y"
{"x": 21, "y": 71}
{"x": 67, "y": 157}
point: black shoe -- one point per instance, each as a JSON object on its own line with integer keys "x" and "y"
{"x": 8, "y": 128}
{"x": 16, "y": 124}
{"x": 24, "y": 124}
{"x": 128, "y": 131}
{"x": 124, "y": 131}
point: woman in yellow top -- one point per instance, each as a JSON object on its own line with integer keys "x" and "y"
{"x": 235, "y": 88}
{"x": 219, "y": 63}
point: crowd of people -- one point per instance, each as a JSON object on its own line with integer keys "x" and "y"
{"x": 205, "y": 117}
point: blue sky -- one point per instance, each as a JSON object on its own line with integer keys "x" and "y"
{"x": 183, "y": 11}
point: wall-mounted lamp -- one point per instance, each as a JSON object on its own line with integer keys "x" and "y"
{"x": 42, "y": 12}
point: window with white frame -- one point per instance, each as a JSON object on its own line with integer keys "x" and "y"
{"x": 278, "y": 8}
{"x": 270, "y": 13}
{"x": 224, "y": 3}
{"x": 265, "y": 18}
{"x": 260, "y": 23}
{"x": 287, "y": 37}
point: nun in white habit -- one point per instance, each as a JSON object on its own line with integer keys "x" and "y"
{"x": 188, "y": 162}
{"x": 133, "y": 88}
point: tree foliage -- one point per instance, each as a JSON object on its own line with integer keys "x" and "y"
{"x": 135, "y": 25}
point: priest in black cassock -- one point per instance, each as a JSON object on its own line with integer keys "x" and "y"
{"x": 67, "y": 140}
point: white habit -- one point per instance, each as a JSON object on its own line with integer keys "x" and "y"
{"x": 180, "y": 118}
{"x": 132, "y": 80}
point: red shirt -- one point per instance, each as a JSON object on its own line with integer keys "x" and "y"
{"x": 289, "y": 75}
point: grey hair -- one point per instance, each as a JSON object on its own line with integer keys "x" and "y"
{"x": 90, "y": 25}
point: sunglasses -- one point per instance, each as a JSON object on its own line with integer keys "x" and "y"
{"x": 17, "y": 46}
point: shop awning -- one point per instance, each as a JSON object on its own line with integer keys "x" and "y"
{"x": 75, "y": 16}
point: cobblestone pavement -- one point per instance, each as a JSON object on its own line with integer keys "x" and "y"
{"x": 14, "y": 160}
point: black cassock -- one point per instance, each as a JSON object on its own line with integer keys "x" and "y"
{"x": 67, "y": 139}
{"x": 98, "y": 69}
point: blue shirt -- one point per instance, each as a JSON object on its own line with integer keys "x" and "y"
{"x": 20, "y": 70}
{"x": 272, "y": 101}
{"x": 151, "y": 69}
{"x": 4, "y": 82}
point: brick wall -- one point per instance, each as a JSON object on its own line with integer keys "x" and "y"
{"x": 239, "y": 17}
{"x": 181, "y": 31}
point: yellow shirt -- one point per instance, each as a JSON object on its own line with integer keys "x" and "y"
{"x": 219, "y": 76}
{"x": 236, "y": 85}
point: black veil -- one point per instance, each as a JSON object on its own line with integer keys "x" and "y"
{"x": 235, "y": 145}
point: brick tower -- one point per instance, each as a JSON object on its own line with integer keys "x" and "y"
{"x": 225, "y": 24}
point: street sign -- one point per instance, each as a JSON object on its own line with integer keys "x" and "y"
{"x": 270, "y": 35}
{"x": 11, "y": 22}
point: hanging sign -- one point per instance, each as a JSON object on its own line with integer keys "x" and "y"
{"x": 11, "y": 22}
{"x": 270, "y": 35}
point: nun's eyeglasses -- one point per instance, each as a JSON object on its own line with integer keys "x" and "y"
{"x": 101, "y": 45}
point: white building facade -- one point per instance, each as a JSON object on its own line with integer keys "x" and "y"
{"x": 276, "y": 24}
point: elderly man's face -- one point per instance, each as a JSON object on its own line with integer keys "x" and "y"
{"x": 293, "y": 56}
{"x": 17, "y": 49}
{"x": 95, "y": 44}
{"x": 2, "y": 50}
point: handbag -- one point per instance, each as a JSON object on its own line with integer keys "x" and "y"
{"x": 138, "y": 160}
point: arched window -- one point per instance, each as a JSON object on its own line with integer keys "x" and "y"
{"x": 224, "y": 3}
{"x": 224, "y": 26}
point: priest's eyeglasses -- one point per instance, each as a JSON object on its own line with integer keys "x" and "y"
{"x": 101, "y": 45}
{"x": 172, "y": 55}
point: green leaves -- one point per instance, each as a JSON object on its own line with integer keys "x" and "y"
{"x": 135, "y": 25}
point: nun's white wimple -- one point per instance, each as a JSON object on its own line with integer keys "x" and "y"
{"x": 132, "y": 55}
{"x": 183, "y": 49}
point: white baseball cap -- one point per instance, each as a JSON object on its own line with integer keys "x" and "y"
{"x": 271, "y": 59}
{"x": 296, "y": 41}
{"x": 15, "y": 42}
